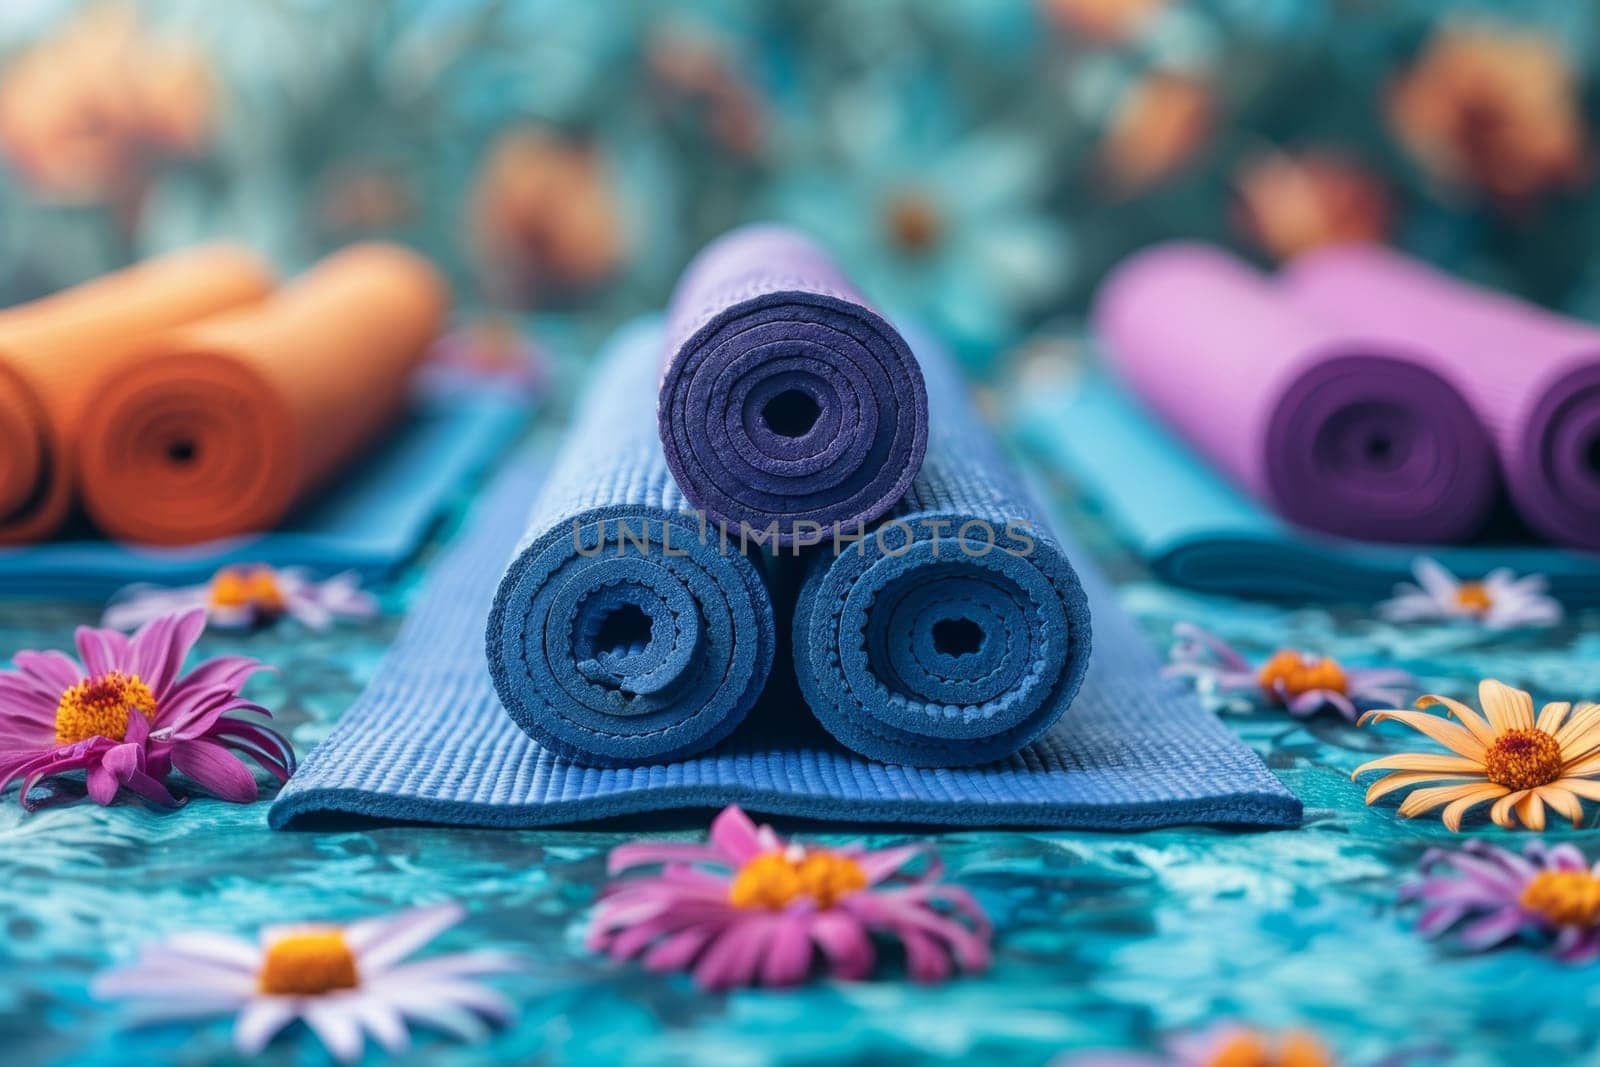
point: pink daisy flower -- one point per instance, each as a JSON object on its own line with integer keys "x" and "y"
{"x": 1300, "y": 682}
{"x": 126, "y": 718}
{"x": 245, "y": 595}
{"x": 1552, "y": 893}
{"x": 344, "y": 981}
{"x": 748, "y": 907}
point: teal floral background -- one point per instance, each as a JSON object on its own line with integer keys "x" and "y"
{"x": 980, "y": 164}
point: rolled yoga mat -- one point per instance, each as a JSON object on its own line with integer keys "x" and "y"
{"x": 1532, "y": 377}
{"x": 1335, "y": 428}
{"x": 956, "y": 631}
{"x": 51, "y": 350}
{"x": 785, "y": 398}
{"x": 625, "y": 631}
{"x": 219, "y": 428}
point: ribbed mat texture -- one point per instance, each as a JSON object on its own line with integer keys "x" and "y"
{"x": 1532, "y": 377}
{"x": 785, "y": 398}
{"x": 625, "y": 630}
{"x": 955, "y": 632}
{"x": 371, "y": 519}
{"x": 430, "y": 741}
{"x": 1336, "y": 430}
{"x": 1194, "y": 529}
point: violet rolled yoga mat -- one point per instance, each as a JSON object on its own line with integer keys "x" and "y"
{"x": 1532, "y": 377}
{"x": 1336, "y": 429}
{"x": 785, "y": 398}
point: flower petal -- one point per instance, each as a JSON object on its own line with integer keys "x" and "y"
{"x": 1507, "y": 708}
{"x": 260, "y": 1022}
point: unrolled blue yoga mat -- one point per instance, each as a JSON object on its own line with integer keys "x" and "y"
{"x": 626, "y": 630}
{"x": 956, "y": 631}
{"x": 1194, "y": 529}
{"x": 370, "y": 520}
{"x": 430, "y": 741}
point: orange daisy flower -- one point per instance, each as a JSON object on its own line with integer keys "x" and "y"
{"x": 1506, "y": 755}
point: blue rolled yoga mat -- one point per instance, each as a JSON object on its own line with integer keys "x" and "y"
{"x": 624, "y": 631}
{"x": 430, "y": 741}
{"x": 786, "y": 400}
{"x": 955, "y": 631}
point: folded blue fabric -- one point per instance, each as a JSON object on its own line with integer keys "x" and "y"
{"x": 626, "y": 630}
{"x": 1196, "y": 530}
{"x": 955, "y": 632}
{"x": 430, "y": 741}
{"x": 785, "y": 398}
{"x": 371, "y": 519}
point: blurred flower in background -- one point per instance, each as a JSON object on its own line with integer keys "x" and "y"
{"x": 1289, "y": 204}
{"x": 88, "y": 112}
{"x": 1159, "y": 125}
{"x": 1102, "y": 21}
{"x": 544, "y": 221}
{"x": 1491, "y": 107}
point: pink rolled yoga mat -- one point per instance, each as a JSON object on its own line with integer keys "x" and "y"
{"x": 1531, "y": 376}
{"x": 1335, "y": 429}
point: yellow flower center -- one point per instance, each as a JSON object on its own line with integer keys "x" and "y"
{"x": 1293, "y": 1049}
{"x": 775, "y": 879}
{"x": 1523, "y": 759}
{"x": 1566, "y": 898}
{"x": 98, "y": 707}
{"x": 247, "y": 587}
{"x": 1474, "y": 597}
{"x": 1301, "y": 673}
{"x": 308, "y": 965}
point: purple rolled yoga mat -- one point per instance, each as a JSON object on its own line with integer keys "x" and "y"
{"x": 1532, "y": 377}
{"x": 1334, "y": 429}
{"x": 785, "y": 398}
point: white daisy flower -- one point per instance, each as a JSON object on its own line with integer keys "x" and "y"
{"x": 1501, "y": 601}
{"x": 245, "y": 595}
{"x": 344, "y": 982}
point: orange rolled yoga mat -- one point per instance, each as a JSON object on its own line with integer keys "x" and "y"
{"x": 219, "y": 428}
{"x": 52, "y": 350}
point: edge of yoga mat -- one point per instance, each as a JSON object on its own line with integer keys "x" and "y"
{"x": 370, "y": 519}
{"x": 1196, "y": 530}
{"x": 458, "y": 759}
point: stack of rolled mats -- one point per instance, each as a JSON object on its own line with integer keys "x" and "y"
{"x": 1355, "y": 410}
{"x": 778, "y": 560}
{"x": 191, "y": 398}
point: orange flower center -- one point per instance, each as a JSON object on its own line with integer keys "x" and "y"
{"x": 1474, "y": 596}
{"x": 1293, "y": 1049}
{"x": 308, "y": 965}
{"x": 98, "y": 707}
{"x": 1566, "y": 898}
{"x": 247, "y": 587}
{"x": 1300, "y": 673}
{"x": 774, "y": 880}
{"x": 1523, "y": 759}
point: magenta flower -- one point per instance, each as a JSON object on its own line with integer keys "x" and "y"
{"x": 126, "y": 718}
{"x": 749, "y": 907}
{"x": 246, "y": 595}
{"x": 1302, "y": 683}
{"x": 344, "y": 982}
{"x": 1549, "y": 892}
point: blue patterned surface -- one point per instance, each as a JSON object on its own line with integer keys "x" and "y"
{"x": 1103, "y": 938}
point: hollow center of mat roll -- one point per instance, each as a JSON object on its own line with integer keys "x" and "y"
{"x": 957, "y": 637}
{"x": 624, "y": 631}
{"x": 182, "y": 451}
{"x": 792, "y": 413}
{"x": 1591, "y": 457}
